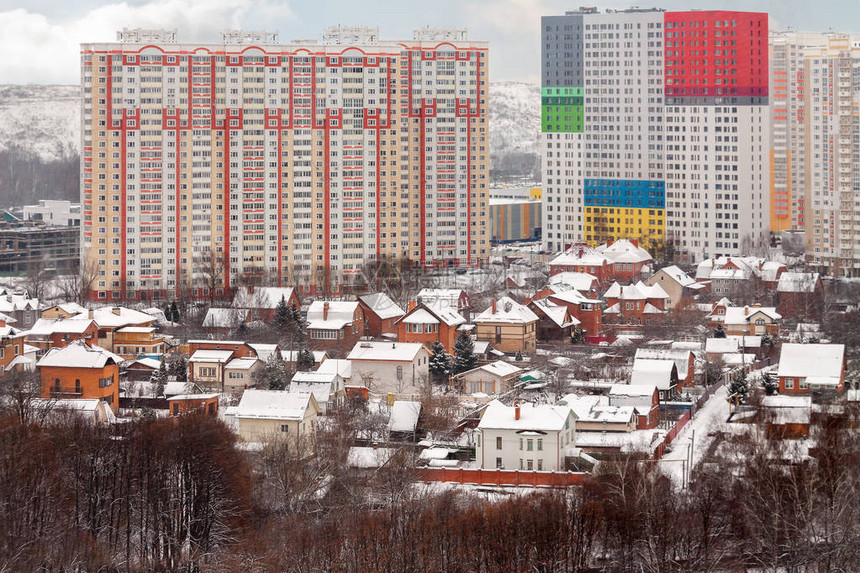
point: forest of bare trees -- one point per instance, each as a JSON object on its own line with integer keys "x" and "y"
{"x": 179, "y": 494}
{"x": 25, "y": 178}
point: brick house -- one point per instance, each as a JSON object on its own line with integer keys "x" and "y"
{"x": 80, "y": 371}
{"x": 554, "y": 321}
{"x": 380, "y": 314}
{"x": 508, "y": 325}
{"x": 588, "y": 311}
{"x": 811, "y": 367}
{"x": 335, "y": 325}
{"x": 635, "y": 306}
{"x": 645, "y": 399}
{"x": 681, "y": 287}
{"x": 800, "y": 295}
{"x": 426, "y": 323}
{"x": 262, "y": 301}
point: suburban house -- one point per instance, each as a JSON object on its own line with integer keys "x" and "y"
{"x": 334, "y": 325}
{"x": 21, "y": 307}
{"x": 525, "y": 436}
{"x": 632, "y": 307}
{"x": 80, "y": 371}
{"x": 262, "y": 301}
{"x": 628, "y": 261}
{"x": 681, "y": 288}
{"x": 341, "y": 367}
{"x": 583, "y": 282}
{"x": 206, "y": 368}
{"x": 428, "y": 322}
{"x": 444, "y": 298}
{"x": 135, "y": 341}
{"x": 508, "y": 325}
{"x": 390, "y": 367}
{"x": 380, "y": 314}
{"x": 11, "y": 348}
{"x": 596, "y": 414}
{"x": 142, "y": 369}
{"x": 771, "y": 272}
{"x": 583, "y": 259}
{"x": 92, "y": 411}
{"x": 554, "y": 321}
{"x": 327, "y": 387}
{"x": 800, "y": 295}
{"x": 739, "y": 320}
{"x": 223, "y": 320}
{"x": 685, "y": 361}
{"x": 807, "y": 368}
{"x": 65, "y": 310}
{"x": 242, "y": 373}
{"x": 660, "y": 373}
{"x": 491, "y": 379}
{"x": 588, "y": 311}
{"x": 112, "y": 318}
{"x": 264, "y": 415}
{"x": 645, "y": 399}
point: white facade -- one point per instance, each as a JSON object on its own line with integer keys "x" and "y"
{"x": 51, "y": 212}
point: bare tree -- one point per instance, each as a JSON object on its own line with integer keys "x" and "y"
{"x": 76, "y": 287}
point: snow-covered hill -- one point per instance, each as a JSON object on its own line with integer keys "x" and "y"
{"x": 45, "y": 119}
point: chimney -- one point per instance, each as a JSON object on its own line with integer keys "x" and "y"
{"x": 608, "y": 242}
{"x": 90, "y": 314}
{"x": 517, "y": 410}
{"x": 2, "y": 322}
{"x": 419, "y": 299}
{"x": 494, "y": 308}
{"x": 581, "y": 251}
{"x": 325, "y": 310}
{"x": 116, "y": 310}
{"x": 412, "y": 304}
{"x": 746, "y": 310}
{"x": 635, "y": 242}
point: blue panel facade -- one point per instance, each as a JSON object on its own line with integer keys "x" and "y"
{"x": 625, "y": 193}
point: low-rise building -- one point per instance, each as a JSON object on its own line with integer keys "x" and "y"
{"x": 660, "y": 373}
{"x": 554, "y": 321}
{"x": 206, "y": 368}
{"x": 242, "y": 373}
{"x": 444, "y": 298}
{"x": 80, "y": 371}
{"x": 390, "y": 367}
{"x": 681, "y": 288}
{"x": 335, "y": 325}
{"x": 429, "y": 322}
{"x": 745, "y": 320}
{"x": 596, "y": 414}
{"x": 644, "y": 398}
{"x": 183, "y": 404}
{"x": 525, "y": 436}
{"x": 494, "y": 378}
{"x": 327, "y": 387}
{"x": 800, "y": 295}
{"x": 380, "y": 314}
{"x": 264, "y": 415}
{"x": 685, "y": 361}
{"x": 806, "y": 368}
{"x": 508, "y": 325}
{"x": 631, "y": 308}
{"x": 262, "y": 301}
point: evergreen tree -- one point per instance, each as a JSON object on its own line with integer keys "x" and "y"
{"x": 740, "y": 386}
{"x": 440, "y": 361}
{"x": 305, "y": 360}
{"x": 297, "y": 325}
{"x": 179, "y": 369}
{"x": 174, "y": 312}
{"x": 160, "y": 379}
{"x": 283, "y": 317}
{"x": 519, "y": 356}
{"x": 464, "y": 353}
{"x": 578, "y": 336}
{"x": 719, "y": 332}
{"x": 275, "y": 375}
{"x": 770, "y": 383}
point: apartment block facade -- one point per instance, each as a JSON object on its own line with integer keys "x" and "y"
{"x": 656, "y": 127}
{"x": 206, "y": 166}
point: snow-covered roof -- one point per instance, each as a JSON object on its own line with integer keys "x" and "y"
{"x": 339, "y": 314}
{"x": 224, "y": 317}
{"x": 652, "y": 372}
{"x": 205, "y": 355}
{"x": 722, "y": 345}
{"x": 578, "y": 281}
{"x": 421, "y": 316}
{"x": 812, "y": 360}
{"x": 194, "y": 396}
{"x": 176, "y": 388}
{"x": 404, "y": 416}
{"x": 507, "y": 310}
{"x": 78, "y": 354}
{"x": 366, "y": 457}
{"x": 148, "y": 363}
{"x": 241, "y": 363}
{"x": 743, "y": 314}
{"x": 633, "y": 390}
{"x": 681, "y": 357}
{"x": 745, "y": 341}
{"x": 338, "y": 366}
{"x": 381, "y": 304}
{"x": 797, "y": 282}
{"x": 574, "y": 297}
{"x": 539, "y": 417}
{"x": 639, "y": 291}
{"x": 580, "y": 255}
{"x": 137, "y": 329}
{"x": 441, "y": 297}
{"x": 71, "y": 308}
{"x": 117, "y": 317}
{"x": 393, "y": 351}
{"x": 19, "y": 360}
{"x": 264, "y": 351}
{"x": 15, "y": 302}
{"x": 273, "y": 405}
{"x": 589, "y": 410}
{"x": 72, "y": 326}
{"x": 624, "y": 251}
{"x": 315, "y": 377}
{"x": 498, "y": 368}
{"x": 263, "y": 297}
{"x": 681, "y": 277}
{"x": 556, "y": 313}
{"x": 770, "y": 269}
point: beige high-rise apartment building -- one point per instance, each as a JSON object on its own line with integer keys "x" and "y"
{"x": 208, "y": 165}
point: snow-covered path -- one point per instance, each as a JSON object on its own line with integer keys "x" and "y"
{"x": 695, "y": 433}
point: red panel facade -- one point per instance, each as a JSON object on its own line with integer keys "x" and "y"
{"x": 715, "y": 54}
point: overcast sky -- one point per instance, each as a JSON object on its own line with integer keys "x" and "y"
{"x": 39, "y": 39}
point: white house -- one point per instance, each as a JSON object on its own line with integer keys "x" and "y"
{"x": 493, "y": 378}
{"x": 525, "y": 436}
{"x": 660, "y": 373}
{"x": 241, "y": 373}
{"x": 390, "y": 367}
{"x": 278, "y": 415}
{"x": 327, "y": 387}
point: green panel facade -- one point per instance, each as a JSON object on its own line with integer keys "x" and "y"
{"x": 561, "y": 110}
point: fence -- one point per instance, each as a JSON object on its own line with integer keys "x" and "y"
{"x": 515, "y": 478}
{"x": 683, "y": 420}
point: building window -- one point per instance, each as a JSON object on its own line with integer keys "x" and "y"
{"x": 400, "y": 372}
{"x": 789, "y": 383}
{"x": 540, "y": 444}
{"x": 530, "y": 445}
{"x": 285, "y": 428}
{"x": 521, "y": 443}
{"x": 540, "y": 465}
{"x": 498, "y": 442}
{"x": 801, "y": 383}
{"x": 499, "y": 462}
{"x": 530, "y": 465}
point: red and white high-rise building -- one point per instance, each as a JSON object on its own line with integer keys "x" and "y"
{"x": 205, "y": 165}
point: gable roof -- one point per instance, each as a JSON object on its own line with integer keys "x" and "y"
{"x": 681, "y": 357}
{"x": 581, "y": 255}
{"x": 556, "y": 313}
{"x": 404, "y": 416}
{"x": 507, "y": 310}
{"x": 273, "y": 405}
{"x": 680, "y": 277}
{"x": 241, "y": 363}
{"x": 797, "y": 282}
{"x": 498, "y": 368}
{"x": 653, "y": 372}
{"x": 206, "y": 355}
{"x": 582, "y": 282}
{"x": 341, "y": 367}
{"x": 264, "y": 351}
{"x": 393, "y": 351}
{"x": 639, "y": 291}
{"x": 340, "y": 314}
{"x": 824, "y": 361}
{"x": 743, "y": 314}
{"x": 117, "y": 317}
{"x": 538, "y": 417}
{"x": 442, "y": 297}
{"x": 381, "y": 305}
{"x": 78, "y": 354}
{"x": 624, "y": 251}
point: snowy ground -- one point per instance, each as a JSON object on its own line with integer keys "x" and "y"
{"x": 698, "y": 434}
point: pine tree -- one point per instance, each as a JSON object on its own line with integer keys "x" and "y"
{"x": 578, "y": 336}
{"x": 440, "y": 361}
{"x": 740, "y": 386}
{"x": 179, "y": 369}
{"x": 160, "y": 379}
{"x": 719, "y": 332}
{"x": 282, "y": 318}
{"x": 770, "y": 383}
{"x": 297, "y": 325}
{"x": 464, "y": 353}
{"x": 275, "y": 375}
{"x": 305, "y": 360}
{"x": 174, "y": 312}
